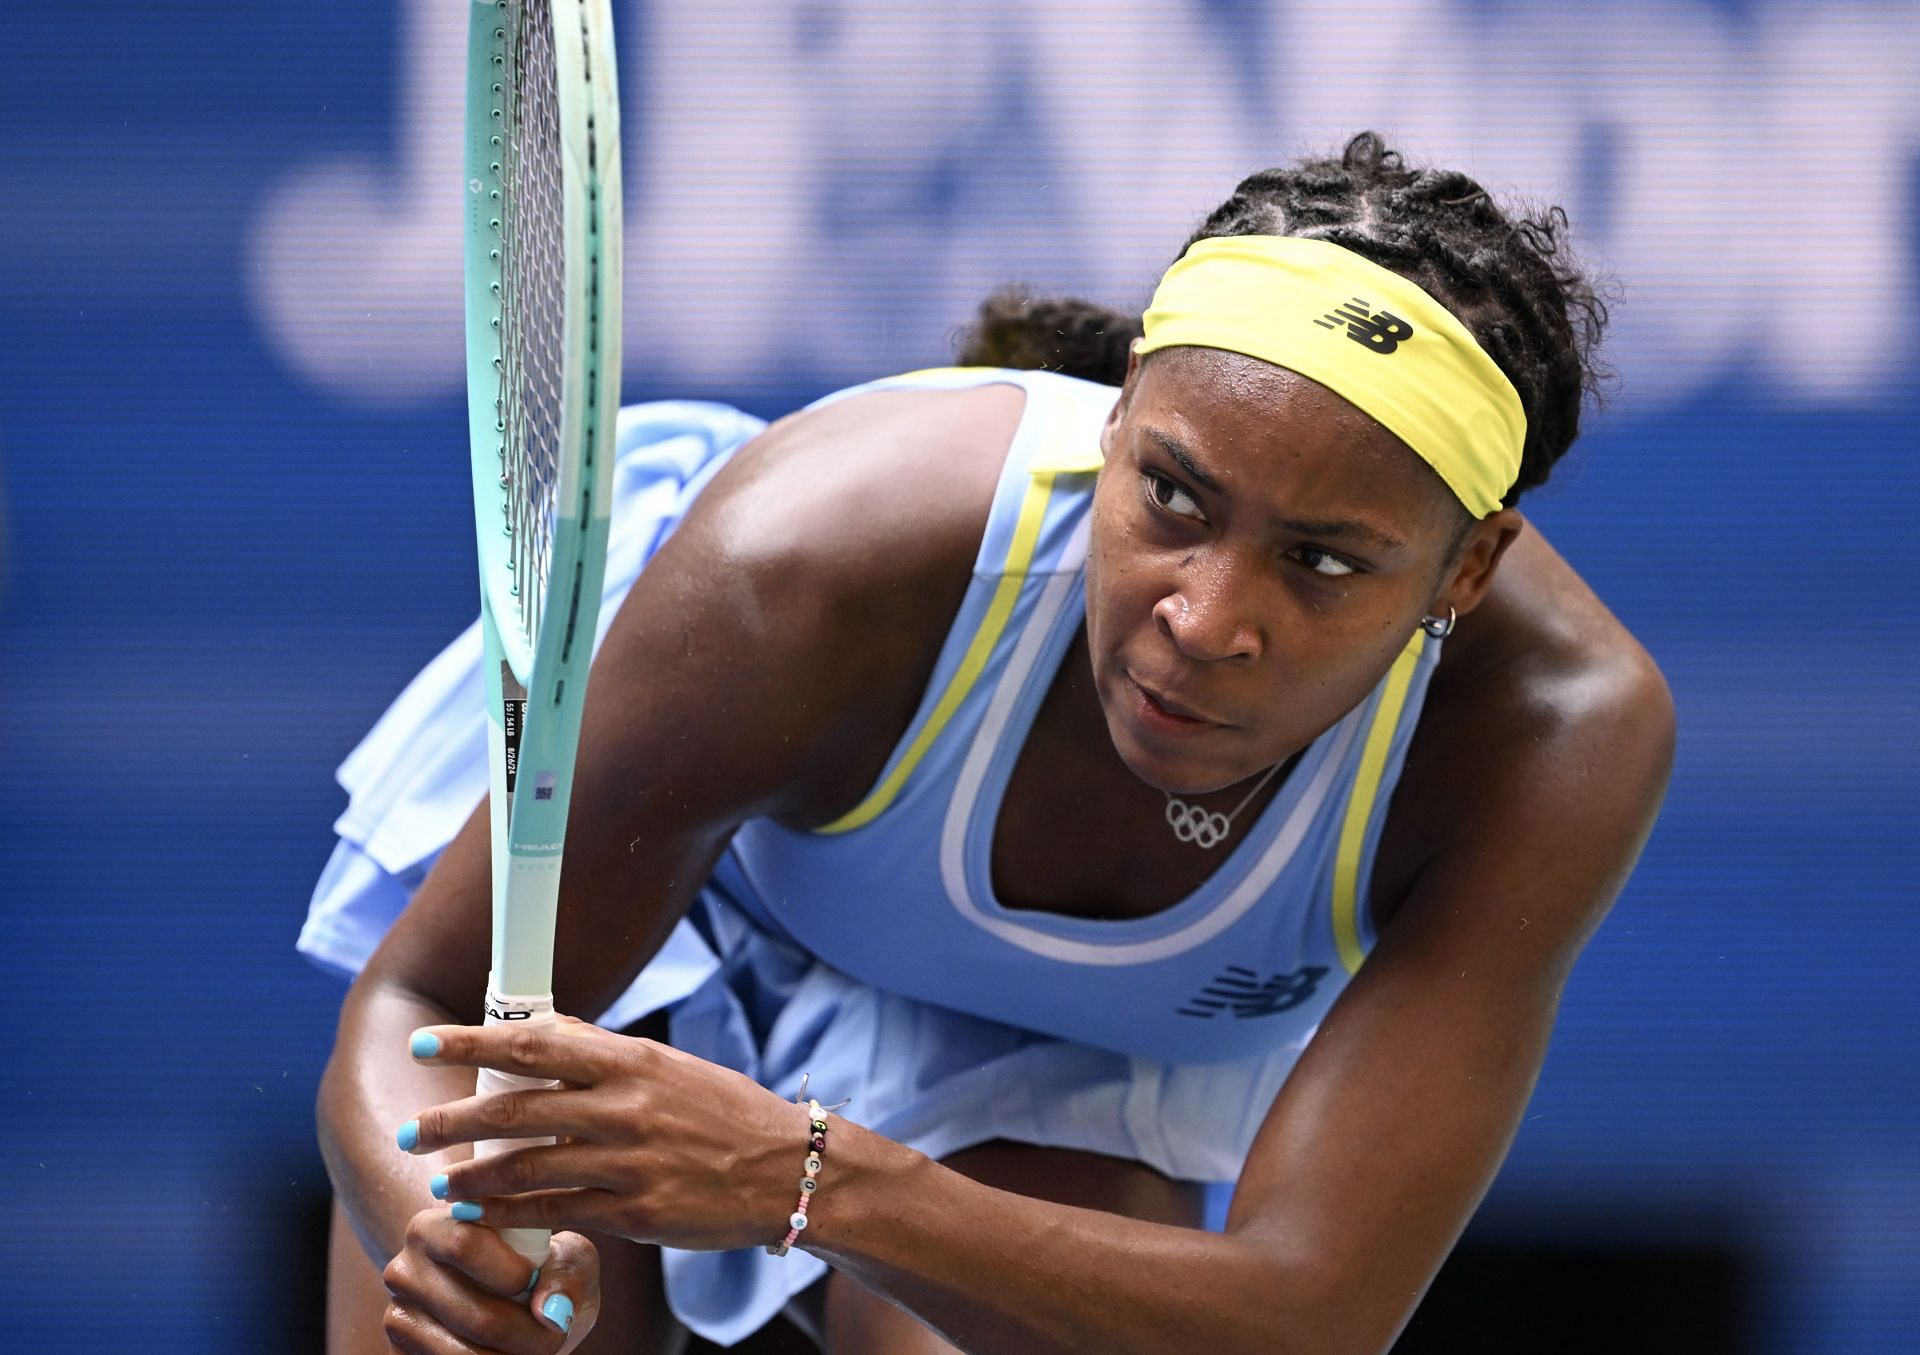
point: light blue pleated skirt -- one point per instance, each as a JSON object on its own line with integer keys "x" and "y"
{"x": 737, "y": 995}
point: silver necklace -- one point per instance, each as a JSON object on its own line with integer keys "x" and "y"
{"x": 1209, "y": 828}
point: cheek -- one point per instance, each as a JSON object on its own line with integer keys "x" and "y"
{"x": 1329, "y": 673}
{"x": 1121, "y": 584}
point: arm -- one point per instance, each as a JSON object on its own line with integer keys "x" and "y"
{"x": 1386, "y": 1136}
{"x": 763, "y": 665}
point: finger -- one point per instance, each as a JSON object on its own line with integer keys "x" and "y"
{"x": 564, "y": 1049}
{"x": 526, "y": 1113}
{"x": 553, "y": 1210}
{"x": 479, "y": 1254}
{"x": 567, "y": 1295}
{"x": 436, "y": 1307}
{"x": 567, "y": 1166}
{"x": 442, "y": 1299}
{"x": 412, "y": 1332}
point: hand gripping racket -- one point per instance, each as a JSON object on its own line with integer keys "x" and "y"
{"x": 543, "y": 385}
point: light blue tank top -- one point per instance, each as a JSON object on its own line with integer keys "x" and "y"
{"x": 898, "y": 892}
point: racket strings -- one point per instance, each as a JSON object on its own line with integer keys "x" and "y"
{"x": 532, "y": 308}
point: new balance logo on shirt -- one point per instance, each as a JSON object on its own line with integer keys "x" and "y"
{"x": 1243, "y": 993}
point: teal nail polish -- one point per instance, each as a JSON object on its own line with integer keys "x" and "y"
{"x": 527, "y": 1293}
{"x": 425, "y": 1044}
{"x": 438, "y": 1185}
{"x": 467, "y": 1211}
{"x": 559, "y": 1311}
{"x": 408, "y": 1136}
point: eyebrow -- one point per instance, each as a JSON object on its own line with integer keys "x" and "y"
{"x": 1317, "y": 527}
{"x": 1173, "y": 448}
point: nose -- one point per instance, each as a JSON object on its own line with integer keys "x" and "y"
{"x": 1206, "y": 617}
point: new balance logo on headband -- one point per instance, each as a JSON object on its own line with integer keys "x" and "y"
{"x": 1382, "y": 331}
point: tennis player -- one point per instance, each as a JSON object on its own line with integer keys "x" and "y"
{"x": 1154, "y": 754}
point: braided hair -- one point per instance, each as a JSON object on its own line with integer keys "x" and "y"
{"x": 1509, "y": 278}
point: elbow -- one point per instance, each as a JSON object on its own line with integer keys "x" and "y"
{"x": 1291, "y": 1303}
{"x": 365, "y": 1068}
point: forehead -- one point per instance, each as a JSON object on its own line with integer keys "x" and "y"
{"x": 1264, "y": 429}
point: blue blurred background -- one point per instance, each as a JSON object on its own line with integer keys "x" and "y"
{"x": 232, "y": 492}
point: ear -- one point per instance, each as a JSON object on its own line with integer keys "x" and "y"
{"x": 1467, "y": 579}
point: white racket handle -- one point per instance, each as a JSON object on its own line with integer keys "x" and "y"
{"x": 504, "y": 1010}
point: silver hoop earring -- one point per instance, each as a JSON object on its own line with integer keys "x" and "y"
{"x": 1437, "y": 628}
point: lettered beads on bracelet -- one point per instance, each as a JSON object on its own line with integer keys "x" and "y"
{"x": 816, "y": 1146}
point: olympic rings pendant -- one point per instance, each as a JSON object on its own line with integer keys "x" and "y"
{"x": 1191, "y": 823}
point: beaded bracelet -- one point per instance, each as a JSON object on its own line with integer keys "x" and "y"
{"x": 816, "y": 1145}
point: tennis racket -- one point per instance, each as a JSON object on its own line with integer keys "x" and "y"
{"x": 543, "y": 386}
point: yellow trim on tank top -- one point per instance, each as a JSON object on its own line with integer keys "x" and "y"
{"x": 1026, "y": 539}
{"x": 1366, "y": 789}
{"x": 1077, "y": 459}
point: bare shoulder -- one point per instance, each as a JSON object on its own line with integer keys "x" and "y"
{"x": 803, "y": 602}
{"x": 1559, "y": 723}
{"x": 1544, "y": 651}
{"x": 872, "y": 488}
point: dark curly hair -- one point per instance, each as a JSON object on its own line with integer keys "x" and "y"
{"x": 1508, "y": 276}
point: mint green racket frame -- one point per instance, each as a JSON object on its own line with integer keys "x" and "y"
{"x": 539, "y": 632}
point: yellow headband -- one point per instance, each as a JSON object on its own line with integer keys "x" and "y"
{"x": 1363, "y": 332}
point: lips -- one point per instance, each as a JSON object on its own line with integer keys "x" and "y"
{"x": 1169, "y": 707}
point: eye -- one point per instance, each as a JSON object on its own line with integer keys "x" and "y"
{"x": 1167, "y": 496}
{"x": 1323, "y": 563}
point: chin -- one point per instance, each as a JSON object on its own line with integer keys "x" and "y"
{"x": 1176, "y": 771}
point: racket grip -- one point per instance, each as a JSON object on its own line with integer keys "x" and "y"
{"x": 516, "y": 1010}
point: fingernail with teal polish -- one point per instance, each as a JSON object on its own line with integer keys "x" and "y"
{"x": 559, "y": 1311}
{"x": 438, "y": 1185}
{"x": 425, "y": 1044}
{"x": 408, "y": 1136}
{"x": 467, "y": 1211}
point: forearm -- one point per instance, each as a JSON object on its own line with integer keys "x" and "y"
{"x": 371, "y": 1087}
{"x": 995, "y": 1271}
